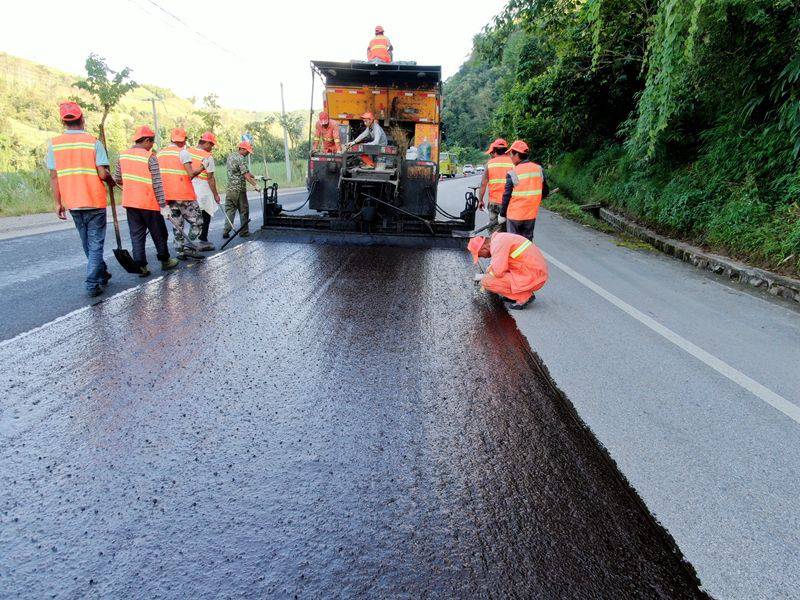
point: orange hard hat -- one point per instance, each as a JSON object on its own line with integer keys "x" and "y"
{"x": 498, "y": 143}
{"x": 70, "y": 111}
{"x": 378, "y": 29}
{"x": 324, "y": 118}
{"x": 368, "y": 116}
{"x": 246, "y": 146}
{"x": 475, "y": 245}
{"x": 143, "y": 131}
{"x": 178, "y": 135}
{"x": 520, "y": 147}
{"x": 208, "y": 137}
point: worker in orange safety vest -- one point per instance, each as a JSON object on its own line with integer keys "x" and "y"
{"x": 494, "y": 179}
{"x": 177, "y": 173}
{"x": 517, "y": 268}
{"x": 143, "y": 198}
{"x": 326, "y": 135}
{"x": 78, "y": 166}
{"x": 525, "y": 189}
{"x": 380, "y": 48}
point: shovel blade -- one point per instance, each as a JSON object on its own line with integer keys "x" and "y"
{"x": 125, "y": 259}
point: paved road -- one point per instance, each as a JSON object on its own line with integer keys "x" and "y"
{"x": 715, "y": 462}
{"x": 41, "y": 276}
{"x": 317, "y": 436}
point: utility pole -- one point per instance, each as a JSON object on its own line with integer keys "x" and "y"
{"x": 155, "y": 122}
{"x": 285, "y": 140}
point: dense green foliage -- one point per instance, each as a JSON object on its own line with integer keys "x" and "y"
{"x": 685, "y": 114}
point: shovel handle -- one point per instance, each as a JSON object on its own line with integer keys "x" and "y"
{"x": 114, "y": 216}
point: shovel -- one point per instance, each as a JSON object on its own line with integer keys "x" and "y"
{"x": 468, "y": 234}
{"x": 235, "y": 231}
{"x": 123, "y": 257}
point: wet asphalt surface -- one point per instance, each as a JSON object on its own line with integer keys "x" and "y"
{"x": 312, "y": 421}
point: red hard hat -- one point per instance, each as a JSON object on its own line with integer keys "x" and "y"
{"x": 324, "y": 118}
{"x": 246, "y": 146}
{"x": 70, "y": 111}
{"x": 498, "y": 143}
{"x": 208, "y": 137}
{"x": 143, "y": 131}
{"x": 520, "y": 146}
{"x": 475, "y": 245}
{"x": 178, "y": 135}
{"x": 378, "y": 29}
{"x": 368, "y": 115}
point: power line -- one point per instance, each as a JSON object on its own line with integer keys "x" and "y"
{"x": 193, "y": 30}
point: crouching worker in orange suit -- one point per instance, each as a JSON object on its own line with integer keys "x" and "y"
{"x": 516, "y": 271}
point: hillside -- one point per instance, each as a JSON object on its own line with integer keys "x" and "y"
{"x": 684, "y": 116}
{"x": 29, "y": 93}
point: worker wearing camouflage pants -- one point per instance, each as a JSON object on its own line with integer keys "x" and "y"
{"x": 236, "y": 194}
{"x": 182, "y": 212}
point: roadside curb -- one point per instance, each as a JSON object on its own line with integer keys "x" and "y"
{"x": 777, "y": 285}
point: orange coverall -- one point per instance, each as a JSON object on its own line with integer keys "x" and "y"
{"x": 518, "y": 277}
{"x": 326, "y": 138}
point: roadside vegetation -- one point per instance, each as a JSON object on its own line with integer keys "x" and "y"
{"x": 683, "y": 115}
{"x": 29, "y": 93}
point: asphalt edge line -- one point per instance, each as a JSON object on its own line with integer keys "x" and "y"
{"x": 569, "y": 410}
{"x": 759, "y": 390}
{"x": 119, "y": 294}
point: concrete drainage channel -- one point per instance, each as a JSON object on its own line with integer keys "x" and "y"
{"x": 314, "y": 421}
{"x": 774, "y": 284}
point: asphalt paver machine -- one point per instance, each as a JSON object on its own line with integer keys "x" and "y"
{"x": 370, "y": 189}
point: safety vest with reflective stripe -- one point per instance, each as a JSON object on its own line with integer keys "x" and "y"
{"x": 379, "y": 49}
{"x": 177, "y": 185}
{"x": 78, "y": 181}
{"x": 137, "y": 183}
{"x": 521, "y": 248}
{"x": 326, "y": 138}
{"x": 198, "y": 154}
{"x": 496, "y": 170}
{"x": 527, "y": 194}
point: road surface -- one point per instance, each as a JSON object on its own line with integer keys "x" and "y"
{"x": 715, "y": 462}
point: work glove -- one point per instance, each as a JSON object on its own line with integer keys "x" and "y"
{"x": 500, "y": 220}
{"x": 166, "y": 212}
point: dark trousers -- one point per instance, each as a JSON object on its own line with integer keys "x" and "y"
{"x": 523, "y": 228}
{"x": 206, "y": 223}
{"x": 140, "y": 221}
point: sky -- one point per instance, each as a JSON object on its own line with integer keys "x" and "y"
{"x": 241, "y": 50}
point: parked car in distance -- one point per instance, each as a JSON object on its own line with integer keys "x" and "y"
{"x": 469, "y": 170}
{"x": 480, "y": 169}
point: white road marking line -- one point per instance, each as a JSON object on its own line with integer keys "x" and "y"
{"x": 125, "y": 292}
{"x": 760, "y": 391}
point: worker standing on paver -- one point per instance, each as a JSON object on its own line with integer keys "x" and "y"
{"x": 326, "y": 135}
{"x": 525, "y": 189}
{"x": 380, "y": 48}
{"x": 517, "y": 268}
{"x": 177, "y": 173}
{"x": 78, "y": 166}
{"x": 143, "y": 198}
{"x": 205, "y": 184}
{"x": 236, "y": 195}
{"x": 494, "y": 179}
{"x": 373, "y": 134}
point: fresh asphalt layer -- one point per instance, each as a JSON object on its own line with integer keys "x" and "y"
{"x": 713, "y": 461}
{"x": 320, "y": 436}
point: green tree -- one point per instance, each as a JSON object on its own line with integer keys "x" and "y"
{"x": 210, "y": 113}
{"x": 107, "y": 87}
